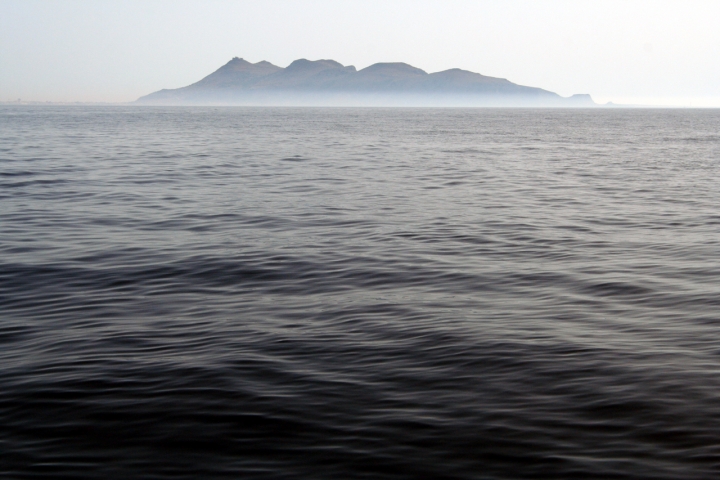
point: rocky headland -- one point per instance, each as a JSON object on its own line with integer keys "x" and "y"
{"x": 327, "y": 82}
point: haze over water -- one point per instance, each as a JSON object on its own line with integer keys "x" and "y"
{"x": 359, "y": 293}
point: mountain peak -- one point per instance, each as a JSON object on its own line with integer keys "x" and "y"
{"x": 240, "y": 64}
{"x": 305, "y": 64}
{"x": 393, "y": 68}
{"x": 236, "y": 71}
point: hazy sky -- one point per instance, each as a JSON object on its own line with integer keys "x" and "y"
{"x": 660, "y": 52}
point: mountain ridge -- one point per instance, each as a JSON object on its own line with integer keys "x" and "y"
{"x": 328, "y": 82}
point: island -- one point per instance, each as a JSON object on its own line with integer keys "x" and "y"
{"x": 329, "y": 83}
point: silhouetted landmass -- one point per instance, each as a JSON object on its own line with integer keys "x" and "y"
{"x": 327, "y": 82}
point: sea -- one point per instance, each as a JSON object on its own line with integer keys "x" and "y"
{"x": 359, "y": 293}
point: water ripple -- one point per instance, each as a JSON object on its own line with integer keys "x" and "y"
{"x": 359, "y": 293}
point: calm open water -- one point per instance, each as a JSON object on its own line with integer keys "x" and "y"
{"x": 359, "y": 293}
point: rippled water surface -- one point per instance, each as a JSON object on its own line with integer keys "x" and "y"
{"x": 359, "y": 293}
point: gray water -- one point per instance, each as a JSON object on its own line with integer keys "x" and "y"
{"x": 359, "y": 293}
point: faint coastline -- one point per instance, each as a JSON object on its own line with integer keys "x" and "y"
{"x": 327, "y": 83}
{"x": 34, "y": 102}
{"x": 136, "y": 104}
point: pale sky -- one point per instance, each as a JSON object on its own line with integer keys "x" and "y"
{"x": 643, "y": 52}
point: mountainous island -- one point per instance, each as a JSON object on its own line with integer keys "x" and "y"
{"x": 327, "y": 82}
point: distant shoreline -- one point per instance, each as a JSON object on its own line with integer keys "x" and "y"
{"x": 560, "y": 107}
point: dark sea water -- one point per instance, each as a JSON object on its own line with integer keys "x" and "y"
{"x": 199, "y": 293}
